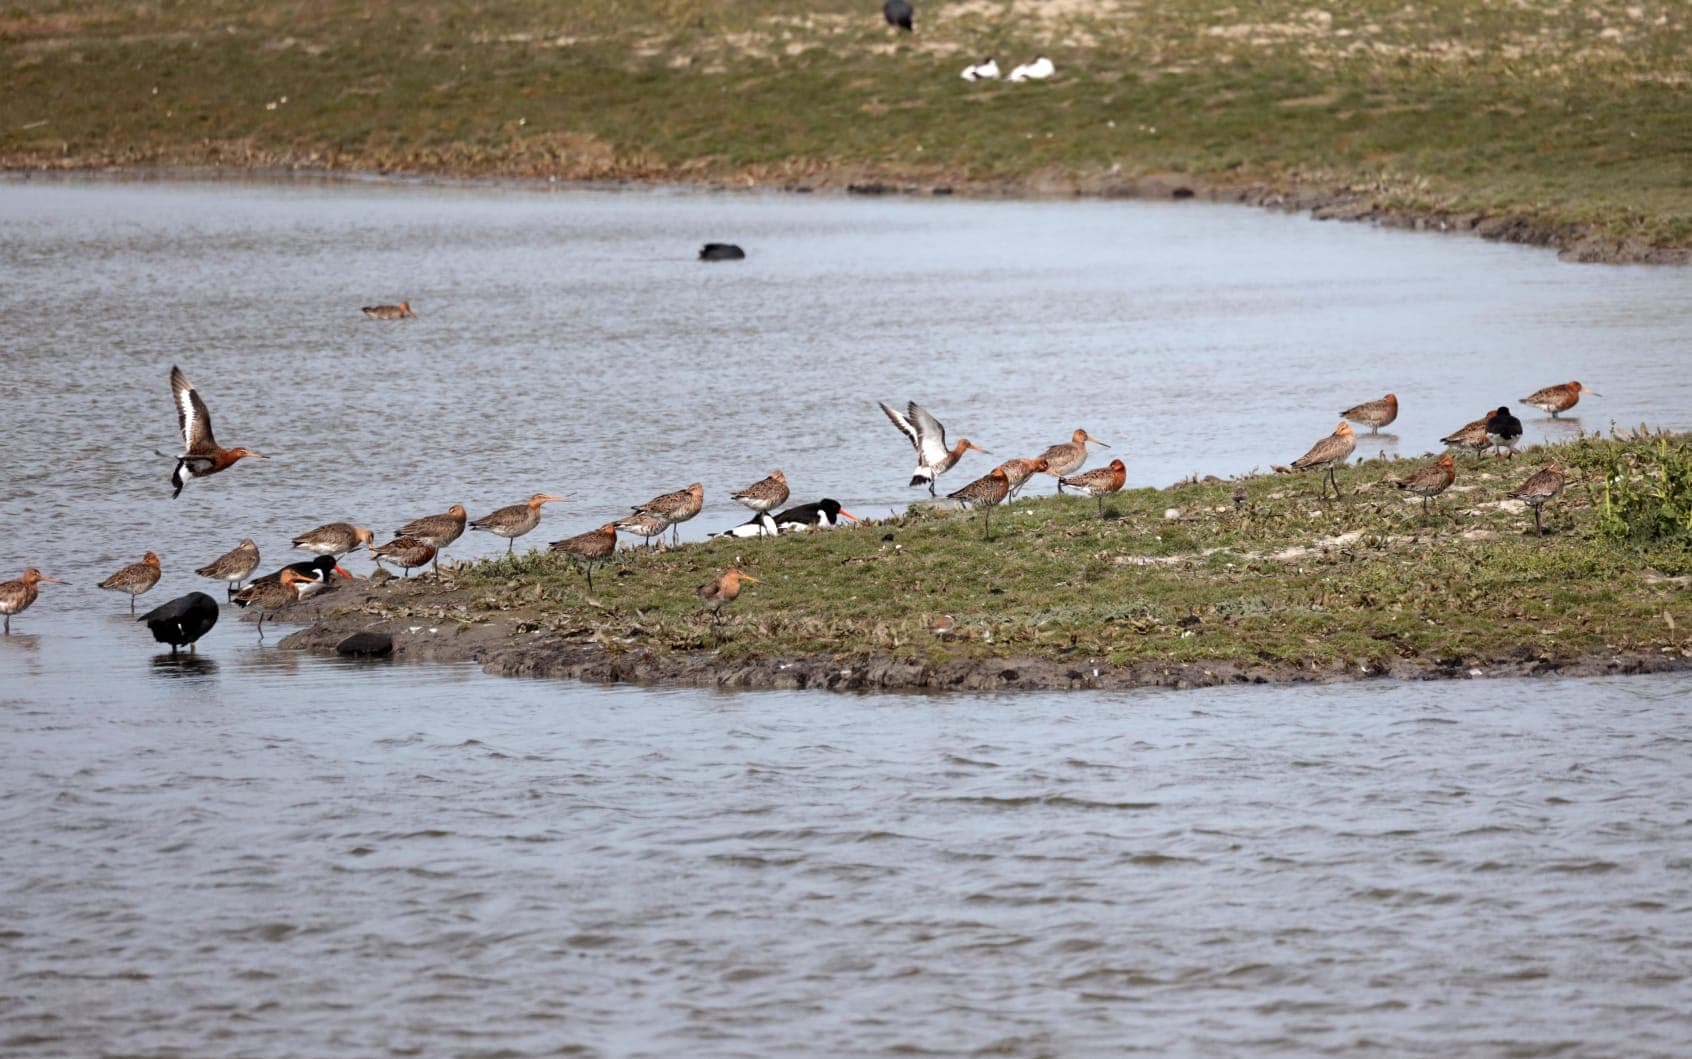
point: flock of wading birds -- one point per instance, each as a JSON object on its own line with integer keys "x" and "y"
{"x": 183, "y": 620}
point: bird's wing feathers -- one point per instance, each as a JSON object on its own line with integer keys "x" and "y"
{"x": 930, "y": 436}
{"x": 192, "y": 416}
{"x": 903, "y": 424}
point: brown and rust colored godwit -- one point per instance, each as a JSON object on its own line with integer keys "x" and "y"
{"x": 928, "y": 437}
{"x": 16, "y": 596}
{"x": 722, "y": 590}
{"x": 1100, "y": 481}
{"x": 1558, "y": 399}
{"x": 1373, "y": 414}
{"x": 1018, "y": 471}
{"x": 1330, "y": 452}
{"x": 765, "y": 494}
{"x": 1540, "y": 489}
{"x": 201, "y": 454}
{"x": 337, "y": 539}
{"x": 1065, "y": 459}
{"x": 674, "y": 508}
{"x": 514, "y": 521}
{"x": 268, "y": 597}
{"x": 135, "y": 578}
{"x": 1471, "y": 436}
{"x": 233, "y": 566}
{"x": 1431, "y": 480}
{"x": 644, "y": 526}
{"x": 437, "y": 531}
{"x": 407, "y": 553}
{"x": 584, "y": 550}
{"x": 984, "y": 493}
{"x": 389, "y": 312}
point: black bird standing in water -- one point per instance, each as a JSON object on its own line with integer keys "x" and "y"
{"x": 897, "y": 13}
{"x": 183, "y": 620}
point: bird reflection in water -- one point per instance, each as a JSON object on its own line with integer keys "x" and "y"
{"x": 184, "y": 666}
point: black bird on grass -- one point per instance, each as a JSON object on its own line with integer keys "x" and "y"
{"x": 183, "y": 620}
{"x": 898, "y": 13}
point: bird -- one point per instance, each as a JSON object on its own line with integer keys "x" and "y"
{"x": 233, "y": 566}
{"x": 1540, "y": 489}
{"x": 514, "y": 521}
{"x": 928, "y": 437}
{"x": 407, "y": 553}
{"x": 437, "y": 531}
{"x": 135, "y": 578}
{"x": 721, "y": 252}
{"x": 1558, "y": 399}
{"x": 1099, "y": 481}
{"x": 1472, "y": 435}
{"x": 675, "y": 508}
{"x": 1020, "y": 470}
{"x": 201, "y": 455}
{"x": 722, "y": 590}
{"x": 1327, "y": 454}
{"x": 336, "y": 538}
{"x": 585, "y": 549}
{"x": 943, "y": 626}
{"x": 764, "y": 494}
{"x": 898, "y": 13}
{"x": 1038, "y": 70}
{"x": 985, "y": 70}
{"x": 389, "y": 312}
{"x": 1503, "y": 430}
{"x": 317, "y": 570}
{"x": 985, "y": 492}
{"x": 268, "y": 597}
{"x": 650, "y": 526}
{"x": 824, "y": 514}
{"x": 183, "y": 620}
{"x": 1430, "y": 480}
{"x": 16, "y": 596}
{"x": 1373, "y": 414}
{"x": 1065, "y": 459}
{"x": 763, "y": 524}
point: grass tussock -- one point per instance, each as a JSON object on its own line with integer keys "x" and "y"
{"x": 1562, "y": 113}
{"x": 1183, "y": 575}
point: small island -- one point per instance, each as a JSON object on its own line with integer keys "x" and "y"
{"x": 1197, "y": 584}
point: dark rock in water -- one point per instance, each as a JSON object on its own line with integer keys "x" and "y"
{"x": 366, "y": 645}
{"x": 721, "y": 252}
{"x": 897, "y": 13}
{"x": 183, "y": 620}
{"x": 1181, "y": 193}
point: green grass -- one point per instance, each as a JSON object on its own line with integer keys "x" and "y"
{"x": 1559, "y": 112}
{"x": 1284, "y": 578}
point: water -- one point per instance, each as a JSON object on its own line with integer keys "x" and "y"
{"x": 272, "y": 855}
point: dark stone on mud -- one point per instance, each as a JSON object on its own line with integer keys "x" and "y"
{"x": 366, "y": 645}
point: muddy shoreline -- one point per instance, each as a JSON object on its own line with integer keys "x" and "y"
{"x": 1572, "y": 241}
{"x": 519, "y": 645}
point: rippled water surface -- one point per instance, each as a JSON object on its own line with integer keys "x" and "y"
{"x": 272, "y": 855}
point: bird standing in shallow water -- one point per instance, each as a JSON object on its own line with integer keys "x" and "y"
{"x": 984, "y": 493}
{"x": 16, "y": 596}
{"x": 514, "y": 521}
{"x": 1540, "y": 489}
{"x": 1373, "y": 414}
{"x": 1503, "y": 430}
{"x": 233, "y": 566}
{"x": 928, "y": 437}
{"x": 722, "y": 590}
{"x": 1099, "y": 481}
{"x": 1430, "y": 481}
{"x": 268, "y": 597}
{"x": 1329, "y": 453}
{"x": 765, "y": 494}
{"x": 586, "y": 549}
{"x": 135, "y": 578}
{"x": 674, "y": 508}
{"x": 182, "y": 621}
{"x": 437, "y": 531}
{"x": 1065, "y": 458}
{"x": 389, "y": 312}
{"x": 1558, "y": 399}
{"x": 201, "y": 455}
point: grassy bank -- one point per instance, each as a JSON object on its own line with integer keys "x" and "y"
{"x": 1183, "y": 575}
{"x": 1567, "y": 117}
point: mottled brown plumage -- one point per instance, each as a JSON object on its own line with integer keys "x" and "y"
{"x": 1471, "y": 436}
{"x": 722, "y": 590}
{"x": 1540, "y": 489}
{"x": 1065, "y": 459}
{"x": 135, "y": 578}
{"x": 1100, "y": 481}
{"x": 585, "y": 550}
{"x": 675, "y": 508}
{"x": 1558, "y": 399}
{"x": 16, "y": 596}
{"x": 437, "y": 531}
{"x": 389, "y": 312}
{"x": 233, "y": 566}
{"x": 268, "y": 597}
{"x": 1373, "y": 414}
{"x": 644, "y": 526}
{"x": 337, "y": 539}
{"x": 985, "y": 493}
{"x": 514, "y": 521}
{"x": 407, "y": 553}
{"x": 1327, "y": 454}
{"x": 1018, "y": 471}
{"x": 1431, "y": 480}
{"x": 763, "y": 495}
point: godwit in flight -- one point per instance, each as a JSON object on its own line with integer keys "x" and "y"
{"x": 135, "y": 578}
{"x": 514, "y": 521}
{"x": 928, "y": 437}
{"x": 1373, "y": 414}
{"x": 1327, "y": 454}
{"x": 201, "y": 455}
{"x": 233, "y": 566}
{"x": 16, "y": 596}
{"x": 1558, "y": 399}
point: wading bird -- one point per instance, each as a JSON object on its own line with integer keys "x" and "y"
{"x": 135, "y": 578}
{"x": 584, "y": 550}
{"x": 1431, "y": 480}
{"x": 233, "y": 566}
{"x": 1503, "y": 430}
{"x": 1330, "y": 452}
{"x": 674, "y": 508}
{"x": 16, "y": 596}
{"x": 1540, "y": 489}
{"x": 928, "y": 437}
{"x": 201, "y": 455}
{"x": 337, "y": 538}
{"x": 984, "y": 493}
{"x": 1373, "y": 414}
{"x": 514, "y": 521}
{"x": 1558, "y": 399}
{"x": 722, "y": 590}
{"x": 267, "y": 597}
{"x": 437, "y": 531}
{"x": 388, "y": 312}
{"x": 1100, "y": 481}
{"x": 765, "y": 494}
{"x": 407, "y": 553}
{"x": 183, "y": 620}
{"x": 1065, "y": 458}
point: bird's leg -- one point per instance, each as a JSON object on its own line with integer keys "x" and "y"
{"x": 261, "y": 626}
{"x": 509, "y": 543}
{"x": 1537, "y": 528}
{"x": 1101, "y": 505}
{"x": 132, "y": 604}
{"x": 8, "y": 625}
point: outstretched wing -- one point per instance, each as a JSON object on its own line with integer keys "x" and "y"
{"x": 930, "y": 436}
{"x": 191, "y": 414}
{"x": 903, "y": 424}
